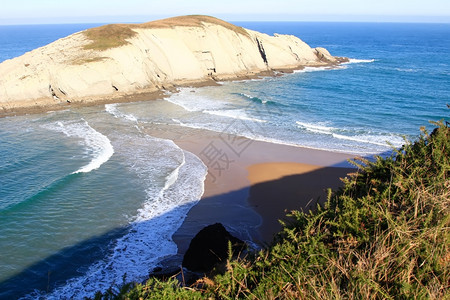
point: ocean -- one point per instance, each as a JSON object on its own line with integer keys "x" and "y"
{"x": 89, "y": 198}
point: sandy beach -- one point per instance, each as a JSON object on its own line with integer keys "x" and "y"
{"x": 252, "y": 184}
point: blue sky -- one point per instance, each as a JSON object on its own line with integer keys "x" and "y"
{"x": 102, "y": 11}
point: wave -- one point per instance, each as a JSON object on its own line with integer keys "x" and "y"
{"x": 191, "y": 102}
{"x": 95, "y": 142}
{"x": 235, "y": 114}
{"x": 41, "y": 194}
{"x": 381, "y": 139}
{"x": 261, "y": 138}
{"x": 318, "y": 69}
{"x": 255, "y": 99}
{"x": 199, "y": 103}
{"x": 313, "y": 69}
{"x": 316, "y": 145}
{"x": 149, "y": 236}
{"x": 315, "y": 127}
{"x": 358, "y": 61}
{"x": 113, "y": 110}
{"x": 174, "y": 175}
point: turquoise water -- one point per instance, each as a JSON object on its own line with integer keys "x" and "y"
{"x": 88, "y": 195}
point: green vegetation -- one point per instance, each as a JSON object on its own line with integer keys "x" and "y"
{"x": 383, "y": 235}
{"x": 108, "y": 36}
{"x": 116, "y": 35}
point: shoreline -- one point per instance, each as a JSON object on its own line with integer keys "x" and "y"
{"x": 40, "y": 106}
{"x": 240, "y": 196}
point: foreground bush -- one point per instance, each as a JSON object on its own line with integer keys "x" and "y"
{"x": 384, "y": 235}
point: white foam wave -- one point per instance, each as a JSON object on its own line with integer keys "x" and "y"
{"x": 312, "y": 69}
{"x": 375, "y": 139}
{"x": 358, "y": 61}
{"x": 318, "y": 69}
{"x": 150, "y": 236}
{"x": 261, "y": 138}
{"x": 395, "y": 140}
{"x": 194, "y": 126}
{"x": 316, "y": 128}
{"x": 246, "y": 95}
{"x": 380, "y": 140}
{"x": 233, "y": 113}
{"x": 97, "y": 144}
{"x": 250, "y": 97}
{"x": 195, "y": 102}
{"x": 113, "y": 110}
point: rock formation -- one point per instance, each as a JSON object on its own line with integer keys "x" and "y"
{"x": 209, "y": 248}
{"x": 117, "y": 60}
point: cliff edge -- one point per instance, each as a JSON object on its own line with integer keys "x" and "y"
{"x": 117, "y": 60}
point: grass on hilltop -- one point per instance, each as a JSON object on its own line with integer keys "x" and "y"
{"x": 384, "y": 235}
{"x": 116, "y": 35}
{"x": 108, "y": 36}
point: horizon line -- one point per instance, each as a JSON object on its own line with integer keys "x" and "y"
{"x": 235, "y": 18}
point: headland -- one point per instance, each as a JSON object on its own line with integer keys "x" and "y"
{"x": 129, "y": 62}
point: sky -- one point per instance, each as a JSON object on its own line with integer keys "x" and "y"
{"x": 109, "y": 11}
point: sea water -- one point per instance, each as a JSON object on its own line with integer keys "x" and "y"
{"x": 89, "y": 198}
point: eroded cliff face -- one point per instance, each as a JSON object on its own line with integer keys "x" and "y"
{"x": 117, "y": 60}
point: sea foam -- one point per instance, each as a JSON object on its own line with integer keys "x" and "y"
{"x": 149, "y": 237}
{"x": 192, "y": 101}
{"x": 354, "y": 135}
{"x": 358, "y": 61}
{"x": 238, "y": 114}
{"x": 113, "y": 110}
{"x": 97, "y": 144}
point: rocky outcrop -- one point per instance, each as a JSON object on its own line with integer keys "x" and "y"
{"x": 325, "y": 56}
{"x": 117, "y": 60}
{"x": 210, "y": 248}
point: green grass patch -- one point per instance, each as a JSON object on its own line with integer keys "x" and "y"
{"x": 116, "y": 35}
{"x": 108, "y": 36}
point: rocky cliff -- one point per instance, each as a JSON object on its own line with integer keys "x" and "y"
{"x": 117, "y": 60}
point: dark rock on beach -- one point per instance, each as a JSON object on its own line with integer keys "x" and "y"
{"x": 209, "y": 248}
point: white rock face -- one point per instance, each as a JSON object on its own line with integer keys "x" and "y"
{"x": 154, "y": 57}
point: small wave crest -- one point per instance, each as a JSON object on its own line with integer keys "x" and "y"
{"x": 315, "y": 127}
{"x": 379, "y": 139}
{"x": 197, "y": 100}
{"x": 359, "y": 61}
{"x": 113, "y": 110}
{"x": 313, "y": 69}
{"x": 97, "y": 144}
{"x": 318, "y": 69}
{"x": 40, "y": 194}
{"x": 235, "y": 114}
{"x": 255, "y": 99}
